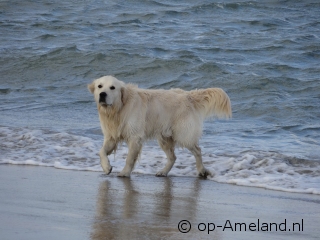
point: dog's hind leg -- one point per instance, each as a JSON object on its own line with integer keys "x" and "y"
{"x": 107, "y": 148}
{"x": 202, "y": 172}
{"x": 167, "y": 145}
{"x": 134, "y": 146}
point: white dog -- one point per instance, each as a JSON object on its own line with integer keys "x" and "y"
{"x": 174, "y": 117}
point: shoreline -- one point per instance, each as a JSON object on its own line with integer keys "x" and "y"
{"x": 42, "y": 202}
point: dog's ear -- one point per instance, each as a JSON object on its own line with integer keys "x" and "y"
{"x": 91, "y": 87}
{"x": 124, "y": 95}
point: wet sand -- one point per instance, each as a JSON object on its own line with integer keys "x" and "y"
{"x": 47, "y": 203}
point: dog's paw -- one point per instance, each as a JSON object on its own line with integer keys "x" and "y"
{"x": 123, "y": 174}
{"x": 204, "y": 173}
{"x": 161, "y": 174}
{"x": 110, "y": 170}
{"x": 107, "y": 170}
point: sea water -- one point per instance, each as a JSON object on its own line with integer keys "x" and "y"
{"x": 264, "y": 54}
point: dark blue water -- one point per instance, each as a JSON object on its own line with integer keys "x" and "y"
{"x": 264, "y": 54}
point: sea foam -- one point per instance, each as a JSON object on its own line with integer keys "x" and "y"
{"x": 61, "y": 150}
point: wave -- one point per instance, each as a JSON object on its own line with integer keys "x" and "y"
{"x": 228, "y": 6}
{"x": 5, "y": 90}
{"x": 270, "y": 170}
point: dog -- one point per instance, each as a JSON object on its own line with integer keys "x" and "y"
{"x": 173, "y": 117}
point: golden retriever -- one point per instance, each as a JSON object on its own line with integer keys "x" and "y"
{"x": 173, "y": 117}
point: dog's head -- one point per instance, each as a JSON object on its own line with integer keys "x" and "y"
{"x": 108, "y": 91}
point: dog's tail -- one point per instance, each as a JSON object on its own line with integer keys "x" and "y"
{"x": 211, "y": 102}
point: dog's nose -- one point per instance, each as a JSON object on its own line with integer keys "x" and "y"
{"x": 102, "y": 98}
{"x": 103, "y": 94}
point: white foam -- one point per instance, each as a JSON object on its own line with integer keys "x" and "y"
{"x": 254, "y": 168}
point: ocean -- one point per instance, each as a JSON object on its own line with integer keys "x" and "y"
{"x": 264, "y": 54}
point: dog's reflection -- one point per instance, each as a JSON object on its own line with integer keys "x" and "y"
{"x": 127, "y": 211}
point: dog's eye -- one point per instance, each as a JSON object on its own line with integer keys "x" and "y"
{"x": 100, "y": 86}
{"x": 112, "y": 88}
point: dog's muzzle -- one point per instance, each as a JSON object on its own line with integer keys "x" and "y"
{"x": 102, "y": 97}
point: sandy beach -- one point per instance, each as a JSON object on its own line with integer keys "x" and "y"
{"x": 48, "y": 203}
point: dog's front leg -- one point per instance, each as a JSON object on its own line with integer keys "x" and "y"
{"x": 133, "y": 154}
{"x": 107, "y": 148}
